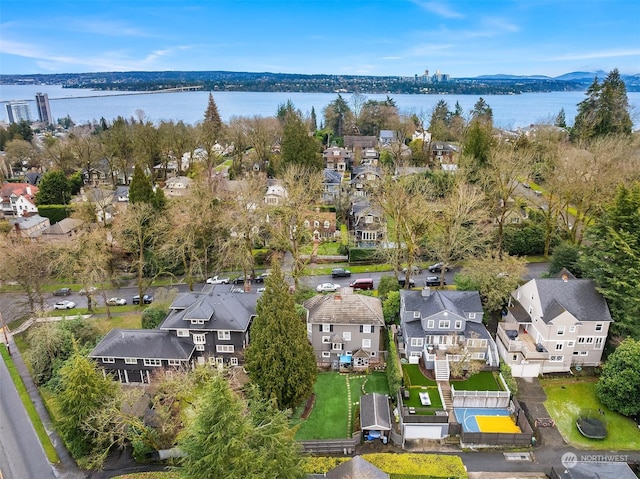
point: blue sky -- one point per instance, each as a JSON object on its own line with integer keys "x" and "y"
{"x": 359, "y": 37}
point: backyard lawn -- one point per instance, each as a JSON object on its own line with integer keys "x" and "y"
{"x": 567, "y": 397}
{"x": 482, "y": 381}
{"x": 336, "y": 399}
{"x": 415, "y": 377}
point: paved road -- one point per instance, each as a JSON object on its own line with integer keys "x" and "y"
{"x": 21, "y": 454}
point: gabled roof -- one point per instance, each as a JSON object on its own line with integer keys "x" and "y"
{"x": 457, "y": 302}
{"x": 144, "y": 344}
{"x": 332, "y": 176}
{"x": 26, "y": 190}
{"x": 63, "y": 227}
{"x": 26, "y": 222}
{"x": 346, "y": 308}
{"x": 365, "y": 208}
{"x": 576, "y": 296}
{"x": 220, "y": 311}
{"x": 356, "y": 467}
{"x": 374, "y": 412}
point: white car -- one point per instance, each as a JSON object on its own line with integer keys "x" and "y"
{"x": 64, "y": 305}
{"x": 217, "y": 280}
{"x": 327, "y": 288}
{"x": 116, "y": 301}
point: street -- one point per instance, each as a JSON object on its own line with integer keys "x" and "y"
{"x": 21, "y": 455}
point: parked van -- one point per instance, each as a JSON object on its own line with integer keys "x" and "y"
{"x": 362, "y": 283}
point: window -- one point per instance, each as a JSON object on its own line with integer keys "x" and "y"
{"x": 130, "y": 361}
{"x": 326, "y": 328}
{"x": 326, "y": 354}
{"x": 584, "y": 353}
{"x": 368, "y": 219}
{"x": 224, "y": 335}
{"x": 346, "y": 335}
{"x": 212, "y": 360}
{"x": 444, "y": 324}
{"x": 458, "y": 324}
{"x": 369, "y": 235}
{"x": 598, "y": 344}
{"x": 582, "y": 340}
{"x": 572, "y": 328}
{"x": 560, "y": 331}
{"x": 476, "y": 343}
{"x": 366, "y": 343}
{"x": 316, "y": 224}
{"x": 326, "y": 339}
{"x": 199, "y": 339}
{"x": 306, "y": 224}
{"x": 174, "y": 362}
{"x": 556, "y": 359}
{"x": 108, "y": 360}
{"x": 366, "y": 328}
{"x": 598, "y": 326}
{"x": 327, "y": 225}
{"x": 197, "y": 321}
{"x": 152, "y": 362}
{"x": 224, "y": 348}
{"x": 199, "y": 347}
{"x": 478, "y": 355}
{"x": 417, "y": 342}
{"x": 415, "y": 354}
{"x": 559, "y": 346}
{"x": 234, "y": 361}
{"x": 590, "y": 340}
{"x": 337, "y": 346}
{"x": 571, "y": 344}
{"x": 183, "y": 333}
{"x": 219, "y": 362}
{"x": 430, "y": 324}
{"x": 416, "y": 314}
{"x": 472, "y": 315}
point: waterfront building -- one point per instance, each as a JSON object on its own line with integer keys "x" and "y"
{"x": 18, "y": 111}
{"x": 44, "y": 110}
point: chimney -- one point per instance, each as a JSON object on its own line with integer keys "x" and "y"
{"x": 29, "y": 190}
{"x": 337, "y": 297}
{"x": 565, "y": 278}
{"x": 426, "y": 292}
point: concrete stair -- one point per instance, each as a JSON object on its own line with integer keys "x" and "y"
{"x": 441, "y": 370}
{"x": 447, "y": 401}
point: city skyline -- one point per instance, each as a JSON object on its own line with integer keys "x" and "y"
{"x": 379, "y": 38}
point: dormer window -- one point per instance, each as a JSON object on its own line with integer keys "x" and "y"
{"x": 306, "y": 223}
{"x": 416, "y": 314}
{"x": 327, "y": 225}
{"x": 316, "y": 224}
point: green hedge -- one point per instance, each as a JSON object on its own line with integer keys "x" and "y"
{"x": 362, "y": 255}
{"x": 55, "y": 213}
{"x": 394, "y": 374}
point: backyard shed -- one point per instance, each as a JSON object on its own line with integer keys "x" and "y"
{"x": 375, "y": 415}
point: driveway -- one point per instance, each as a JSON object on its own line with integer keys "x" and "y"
{"x": 531, "y": 396}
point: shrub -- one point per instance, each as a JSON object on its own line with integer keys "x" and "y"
{"x": 505, "y": 370}
{"x": 394, "y": 376}
{"x": 152, "y": 317}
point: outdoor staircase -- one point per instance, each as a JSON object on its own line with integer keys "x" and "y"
{"x": 445, "y": 395}
{"x": 441, "y": 370}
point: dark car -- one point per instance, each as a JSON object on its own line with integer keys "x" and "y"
{"x": 340, "y": 273}
{"x": 262, "y": 277}
{"x": 241, "y": 279}
{"x": 433, "y": 281}
{"x": 402, "y": 282}
{"x": 146, "y": 299}
{"x": 437, "y": 268}
{"x": 62, "y": 292}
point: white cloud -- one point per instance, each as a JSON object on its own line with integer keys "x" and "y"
{"x": 439, "y": 8}
{"x": 602, "y": 54}
{"x": 104, "y": 27}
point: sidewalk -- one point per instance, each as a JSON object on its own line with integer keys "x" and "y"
{"x": 67, "y": 468}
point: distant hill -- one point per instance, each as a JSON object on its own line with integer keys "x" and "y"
{"x": 584, "y": 75}
{"x": 501, "y": 76}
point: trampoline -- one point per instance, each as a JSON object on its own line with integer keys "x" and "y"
{"x": 486, "y": 420}
{"x": 591, "y": 428}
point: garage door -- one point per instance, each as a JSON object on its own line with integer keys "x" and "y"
{"x": 425, "y": 431}
{"x": 530, "y": 370}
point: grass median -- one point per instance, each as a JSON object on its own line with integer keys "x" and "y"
{"x": 52, "y": 455}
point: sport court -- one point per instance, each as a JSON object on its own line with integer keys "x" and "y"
{"x": 486, "y": 420}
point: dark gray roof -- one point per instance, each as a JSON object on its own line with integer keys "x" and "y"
{"x": 344, "y": 308}
{"x": 332, "y": 176}
{"x": 519, "y": 313}
{"x": 144, "y": 344}
{"x": 360, "y": 169}
{"x": 458, "y": 302}
{"x": 577, "y": 296}
{"x": 356, "y": 467}
{"x": 220, "y": 311}
{"x": 122, "y": 191}
{"x": 375, "y": 413}
{"x": 598, "y": 470}
{"x": 362, "y": 208}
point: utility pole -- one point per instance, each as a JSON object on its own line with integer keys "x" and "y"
{"x": 4, "y": 330}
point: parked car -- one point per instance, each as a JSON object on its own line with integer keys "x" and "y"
{"x": 116, "y": 301}
{"x": 64, "y": 304}
{"x": 402, "y": 281}
{"x": 414, "y": 270}
{"x": 340, "y": 273}
{"x": 241, "y": 279}
{"x": 146, "y": 299}
{"x": 217, "y": 280}
{"x": 433, "y": 281}
{"x": 362, "y": 283}
{"x": 437, "y": 268}
{"x": 62, "y": 292}
{"x": 261, "y": 290}
{"x": 89, "y": 290}
{"x": 327, "y": 288}
{"x": 262, "y": 277}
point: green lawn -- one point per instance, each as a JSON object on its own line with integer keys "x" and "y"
{"x": 330, "y": 417}
{"x": 566, "y": 398}
{"x": 483, "y": 381}
{"x": 414, "y": 399}
{"x": 415, "y": 376}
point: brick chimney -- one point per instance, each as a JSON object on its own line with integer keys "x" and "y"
{"x": 425, "y": 292}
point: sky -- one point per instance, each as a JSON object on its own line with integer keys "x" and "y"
{"x": 462, "y": 38}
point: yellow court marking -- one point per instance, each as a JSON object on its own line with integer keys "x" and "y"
{"x": 497, "y": 424}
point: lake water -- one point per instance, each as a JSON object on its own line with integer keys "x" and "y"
{"x": 509, "y": 111}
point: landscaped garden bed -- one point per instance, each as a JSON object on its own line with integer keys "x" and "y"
{"x": 569, "y": 398}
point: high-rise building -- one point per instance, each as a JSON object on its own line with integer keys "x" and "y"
{"x": 18, "y": 111}
{"x": 44, "y": 110}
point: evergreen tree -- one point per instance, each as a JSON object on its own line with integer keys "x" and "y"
{"x": 54, "y": 189}
{"x": 440, "y": 121}
{"x": 284, "y": 374}
{"x": 561, "y": 120}
{"x": 212, "y": 121}
{"x": 482, "y": 111}
{"x": 619, "y": 385}
{"x": 612, "y": 258}
{"x": 313, "y": 121}
{"x": 298, "y": 147}
{"x": 140, "y": 190}
{"x": 476, "y": 149}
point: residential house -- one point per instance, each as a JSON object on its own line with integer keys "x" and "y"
{"x": 337, "y": 158}
{"x": 63, "y": 230}
{"x": 594, "y": 469}
{"x": 96, "y": 176}
{"x": 444, "y": 155}
{"x": 370, "y": 156}
{"x": 515, "y": 214}
{"x": 358, "y": 143}
{"x": 121, "y": 194}
{"x": 276, "y": 194}
{"x": 177, "y": 186}
{"x": 216, "y": 323}
{"x": 18, "y": 199}
{"x": 552, "y": 325}
{"x": 29, "y": 226}
{"x": 364, "y": 178}
{"x": 33, "y": 177}
{"x": 367, "y": 224}
{"x": 443, "y": 326}
{"x": 133, "y": 355}
{"x": 331, "y": 185}
{"x": 102, "y": 200}
{"x": 345, "y": 329}
{"x": 322, "y": 224}
{"x": 386, "y": 138}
